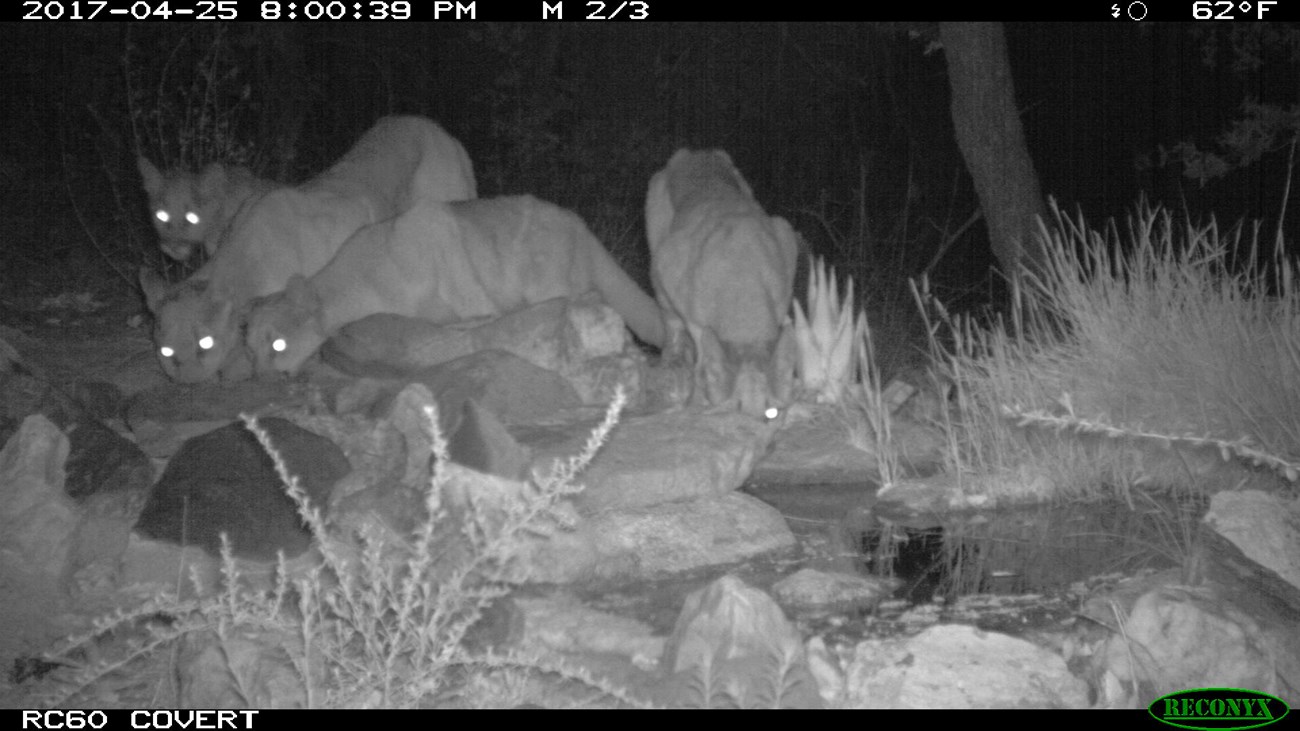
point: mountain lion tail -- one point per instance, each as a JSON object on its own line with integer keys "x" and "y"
{"x": 622, "y": 293}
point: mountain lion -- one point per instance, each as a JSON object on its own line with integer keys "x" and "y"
{"x": 291, "y": 231}
{"x": 190, "y": 210}
{"x": 447, "y": 262}
{"x": 723, "y": 272}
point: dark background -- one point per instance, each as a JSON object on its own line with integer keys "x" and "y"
{"x": 842, "y": 128}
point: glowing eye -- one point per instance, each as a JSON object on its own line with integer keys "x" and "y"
{"x": 166, "y": 351}
{"x": 278, "y": 345}
{"x": 771, "y": 413}
{"x": 206, "y": 342}
{"x": 163, "y": 216}
{"x": 192, "y": 217}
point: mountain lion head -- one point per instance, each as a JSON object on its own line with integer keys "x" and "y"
{"x": 197, "y": 339}
{"x": 185, "y": 207}
{"x": 284, "y": 329}
{"x": 757, "y": 380}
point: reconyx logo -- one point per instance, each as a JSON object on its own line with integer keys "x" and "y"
{"x": 1220, "y": 709}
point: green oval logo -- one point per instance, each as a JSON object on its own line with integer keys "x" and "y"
{"x": 1220, "y": 709}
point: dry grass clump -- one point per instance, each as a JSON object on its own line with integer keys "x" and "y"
{"x": 1169, "y": 357}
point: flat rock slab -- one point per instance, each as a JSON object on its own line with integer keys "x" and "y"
{"x": 176, "y": 402}
{"x": 832, "y": 592}
{"x": 955, "y": 666}
{"x": 162, "y": 418}
{"x": 512, "y": 389}
{"x": 654, "y": 459}
{"x": 649, "y": 542}
{"x": 503, "y": 383}
{"x": 682, "y": 536}
{"x": 392, "y": 346}
{"x": 819, "y": 450}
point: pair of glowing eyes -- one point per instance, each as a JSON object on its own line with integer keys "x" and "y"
{"x": 190, "y": 217}
{"x": 206, "y": 342}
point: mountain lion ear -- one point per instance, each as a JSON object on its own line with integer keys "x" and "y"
{"x": 736, "y": 178}
{"x": 155, "y": 288}
{"x": 153, "y": 179}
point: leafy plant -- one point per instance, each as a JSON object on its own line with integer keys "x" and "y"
{"x": 828, "y": 359}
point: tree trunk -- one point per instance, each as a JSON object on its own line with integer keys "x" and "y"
{"x": 993, "y": 142}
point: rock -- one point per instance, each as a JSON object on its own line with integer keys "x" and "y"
{"x": 508, "y": 386}
{"x": 686, "y": 535}
{"x": 560, "y": 623}
{"x": 809, "y": 589}
{"x": 659, "y": 458}
{"x": 387, "y": 492}
{"x": 643, "y": 535}
{"x": 733, "y": 644}
{"x": 247, "y": 668}
{"x": 224, "y": 481}
{"x": 109, "y": 477}
{"x": 1178, "y": 637}
{"x": 1265, "y": 526}
{"x": 582, "y": 340}
{"x": 393, "y": 346}
{"x": 955, "y": 666}
{"x": 825, "y": 669}
{"x": 38, "y": 519}
{"x": 176, "y": 402}
{"x": 409, "y": 419}
{"x": 538, "y": 334}
{"x": 73, "y": 543}
{"x": 664, "y": 531}
{"x": 819, "y": 450}
{"x": 626, "y": 543}
{"x": 649, "y": 542}
{"x": 481, "y": 442}
{"x": 391, "y": 510}
{"x": 164, "y": 417}
{"x": 400, "y": 448}
{"x": 511, "y": 388}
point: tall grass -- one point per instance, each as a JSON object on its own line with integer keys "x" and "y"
{"x": 1151, "y": 359}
